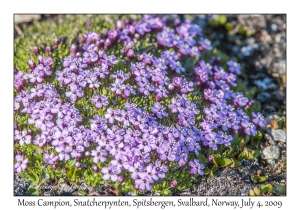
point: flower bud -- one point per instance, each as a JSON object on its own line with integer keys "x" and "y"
{"x": 98, "y": 44}
{"x": 87, "y": 154}
{"x": 73, "y": 50}
{"x": 88, "y": 24}
{"x": 249, "y": 104}
{"x": 107, "y": 43}
{"x": 95, "y": 169}
{"x": 48, "y": 50}
{"x": 128, "y": 45}
{"x": 127, "y": 21}
{"x": 101, "y": 53}
{"x": 63, "y": 170}
{"x": 78, "y": 54}
{"x": 77, "y": 164}
{"x": 140, "y": 58}
{"x": 129, "y": 54}
{"x": 31, "y": 64}
{"x": 136, "y": 36}
{"x": 40, "y": 59}
{"x": 119, "y": 24}
{"x": 81, "y": 41}
{"x": 170, "y": 87}
{"x": 55, "y": 43}
{"x": 157, "y": 97}
{"x": 176, "y": 22}
{"x": 120, "y": 179}
{"x": 36, "y": 51}
{"x": 209, "y": 159}
{"x": 43, "y": 45}
{"x": 173, "y": 183}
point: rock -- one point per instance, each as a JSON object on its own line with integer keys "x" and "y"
{"x": 264, "y": 96}
{"x": 279, "y": 95}
{"x": 270, "y": 153}
{"x": 26, "y": 18}
{"x": 271, "y": 162}
{"x": 278, "y": 135}
{"x": 64, "y": 189}
{"x": 269, "y": 139}
{"x": 270, "y": 117}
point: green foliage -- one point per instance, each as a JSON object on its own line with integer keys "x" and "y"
{"x": 257, "y": 178}
{"x": 249, "y": 155}
{"x": 221, "y": 162}
{"x": 82, "y": 193}
{"x": 281, "y": 189}
{"x": 33, "y": 191}
{"x": 264, "y": 189}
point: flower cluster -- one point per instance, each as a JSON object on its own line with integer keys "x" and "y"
{"x": 179, "y": 117}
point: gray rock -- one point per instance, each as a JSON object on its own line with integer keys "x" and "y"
{"x": 271, "y": 162}
{"x": 264, "y": 96}
{"x": 278, "y": 135}
{"x": 26, "y": 18}
{"x": 270, "y": 139}
{"x": 270, "y": 153}
{"x": 279, "y": 95}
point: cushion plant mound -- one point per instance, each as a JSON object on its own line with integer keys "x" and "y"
{"x": 142, "y": 105}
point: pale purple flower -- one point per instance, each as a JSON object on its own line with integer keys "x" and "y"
{"x": 117, "y": 88}
{"x": 176, "y": 66}
{"x": 111, "y": 172}
{"x": 93, "y": 82}
{"x": 109, "y": 60}
{"x": 159, "y": 110}
{"x": 50, "y": 159}
{"x": 249, "y": 128}
{"x": 24, "y": 137}
{"x": 258, "y": 119}
{"x": 40, "y": 140}
{"x": 136, "y": 170}
{"x": 74, "y": 93}
{"x": 36, "y": 76}
{"x": 21, "y": 163}
{"x": 103, "y": 71}
{"x": 99, "y": 155}
{"x": 196, "y": 167}
{"x": 100, "y": 101}
{"x": 144, "y": 183}
{"x": 111, "y": 115}
{"x": 165, "y": 153}
{"x": 234, "y": 67}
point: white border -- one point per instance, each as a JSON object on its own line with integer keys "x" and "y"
{"x": 7, "y": 200}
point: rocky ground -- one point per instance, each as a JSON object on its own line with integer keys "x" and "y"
{"x": 259, "y": 44}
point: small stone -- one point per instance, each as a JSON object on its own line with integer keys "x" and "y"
{"x": 278, "y": 135}
{"x": 269, "y": 139}
{"x": 271, "y": 117}
{"x": 270, "y": 153}
{"x": 271, "y": 162}
{"x": 264, "y": 96}
{"x": 274, "y": 27}
{"x": 279, "y": 95}
{"x": 26, "y": 18}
